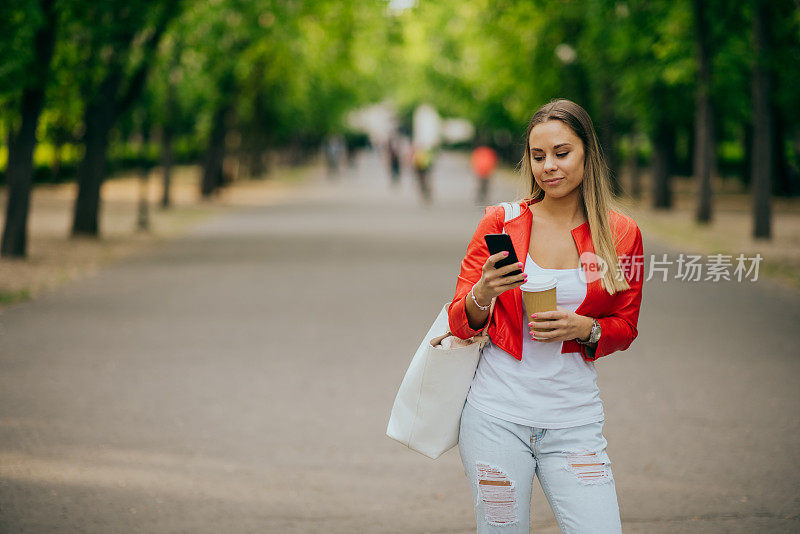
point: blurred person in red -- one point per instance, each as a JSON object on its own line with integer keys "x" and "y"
{"x": 484, "y": 160}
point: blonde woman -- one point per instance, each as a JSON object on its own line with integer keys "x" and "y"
{"x": 534, "y": 408}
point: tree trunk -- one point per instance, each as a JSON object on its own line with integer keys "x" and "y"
{"x": 763, "y": 125}
{"x": 704, "y": 121}
{"x": 747, "y": 164}
{"x": 793, "y": 174}
{"x": 19, "y": 168}
{"x": 257, "y": 139}
{"x": 608, "y": 137}
{"x": 169, "y": 127}
{"x": 215, "y": 153}
{"x": 633, "y": 167}
{"x": 99, "y": 119}
{"x": 663, "y": 150}
{"x": 167, "y": 148}
{"x": 783, "y": 186}
{"x": 143, "y": 212}
{"x": 167, "y": 161}
{"x": 19, "y": 175}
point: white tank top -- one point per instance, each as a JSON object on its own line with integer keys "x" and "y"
{"x": 547, "y": 389}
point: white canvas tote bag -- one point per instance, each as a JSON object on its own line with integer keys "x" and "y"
{"x": 426, "y": 415}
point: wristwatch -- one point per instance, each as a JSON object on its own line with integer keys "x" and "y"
{"x": 594, "y": 335}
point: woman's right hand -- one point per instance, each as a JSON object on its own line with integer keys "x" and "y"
{"x": 493, "y": 281}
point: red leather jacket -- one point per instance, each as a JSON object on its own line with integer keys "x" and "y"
{"x": 617, "y": 314}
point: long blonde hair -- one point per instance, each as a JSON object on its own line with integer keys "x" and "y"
{"x": 595, "y": 189}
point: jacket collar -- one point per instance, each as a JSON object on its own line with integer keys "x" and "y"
{"x": 519, "y": 229}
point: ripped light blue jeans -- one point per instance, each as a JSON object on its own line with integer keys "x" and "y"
{"x": 501, "y": 458}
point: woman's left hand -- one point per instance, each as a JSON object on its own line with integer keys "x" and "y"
{"x": 566, "y": 325}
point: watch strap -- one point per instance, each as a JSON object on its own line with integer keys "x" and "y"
{"x": 594, "y": 334}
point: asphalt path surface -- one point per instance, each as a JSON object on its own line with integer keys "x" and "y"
{"x": 239, "y": 379}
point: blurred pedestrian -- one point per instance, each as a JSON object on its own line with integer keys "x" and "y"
{"x": 483, "y": 160}
{"x": 534, "y": 408}
{"x": 334, "y": 148}
{"x": 350, "y": 148}
{"x": 393, "y": 149}
{"x": 421, "y": 161}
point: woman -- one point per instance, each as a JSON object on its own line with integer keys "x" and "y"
{"x": 534, "y": 406}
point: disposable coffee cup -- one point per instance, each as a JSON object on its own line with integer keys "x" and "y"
{"x": 539, "y": 295}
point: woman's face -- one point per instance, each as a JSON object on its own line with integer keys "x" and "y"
{"x": 556, "y": 158}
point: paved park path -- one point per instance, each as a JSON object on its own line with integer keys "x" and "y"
{"x": 239, "y": 379}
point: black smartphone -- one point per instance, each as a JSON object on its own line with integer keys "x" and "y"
{"x": 498, "y": 243}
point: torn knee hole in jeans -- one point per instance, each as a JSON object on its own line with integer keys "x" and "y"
{"x": 498, "y": 493}
{"x": 588, "y": 468}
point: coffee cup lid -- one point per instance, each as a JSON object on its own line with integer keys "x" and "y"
{"x": 539, "y": 282}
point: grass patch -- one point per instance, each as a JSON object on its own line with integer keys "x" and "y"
{"x": 12, "y": 297}
{"x": 785, "y": 273}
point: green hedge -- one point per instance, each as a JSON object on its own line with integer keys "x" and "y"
{"x": 120, "y": 159}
